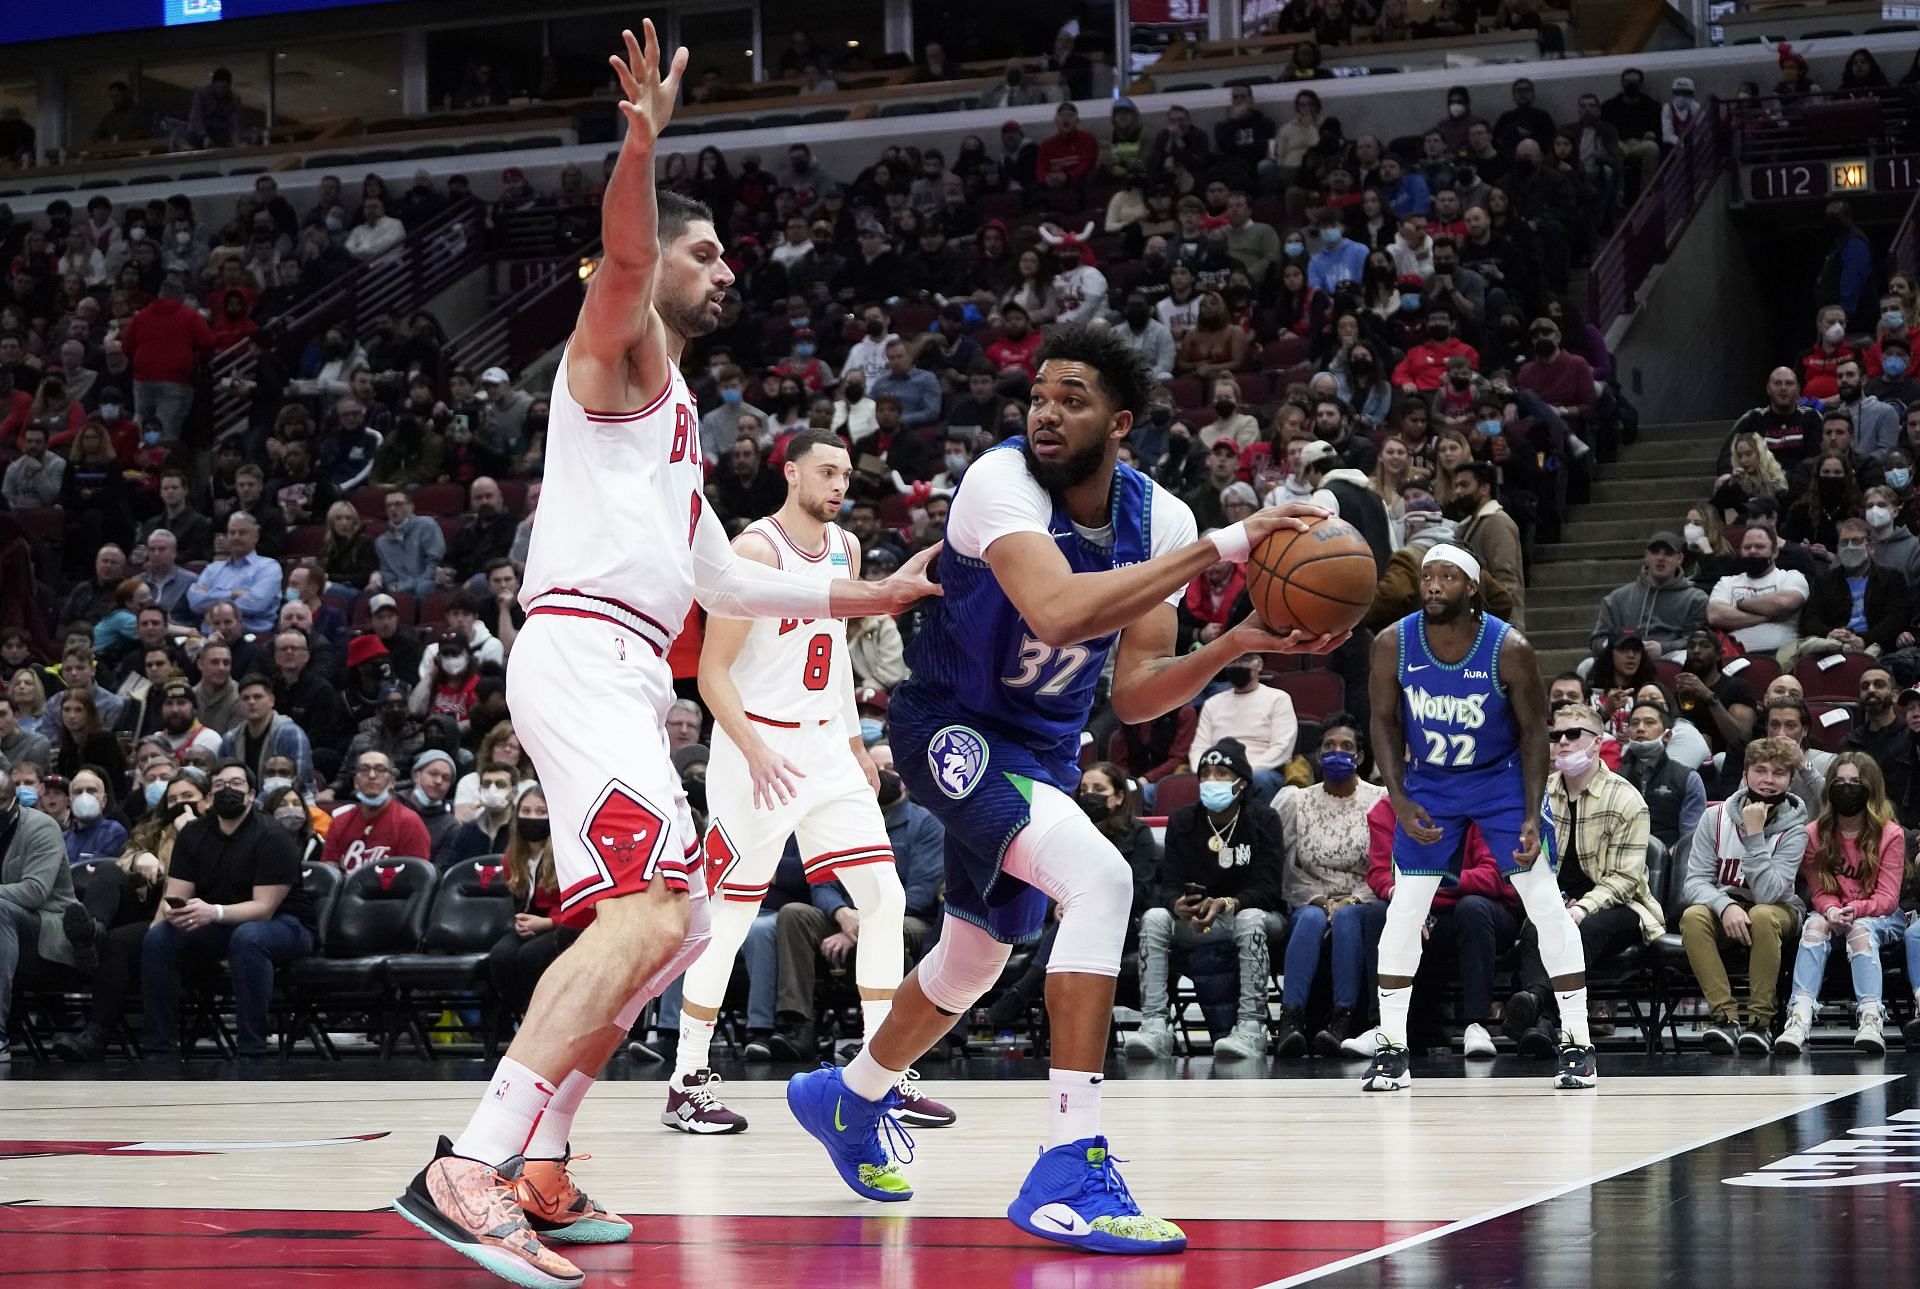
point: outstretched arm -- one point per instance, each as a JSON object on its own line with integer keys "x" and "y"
{"x": 730, "y": 587}
{"x": 618, "y": 358}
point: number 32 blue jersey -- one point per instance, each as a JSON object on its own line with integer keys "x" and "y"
{"x": 975, "y": 657}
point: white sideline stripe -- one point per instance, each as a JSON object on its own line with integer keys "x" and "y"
{"x": 1465, "y": 1223}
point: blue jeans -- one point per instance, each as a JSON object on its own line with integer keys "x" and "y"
{"x": 1266, "y": 783}
{"x": 252, "y": 951}
{"x": 762, "y": 974}
{"x": 1810, "y": 963}
{"x": 163, "y": 401}
{"x": 1348, "y": 952}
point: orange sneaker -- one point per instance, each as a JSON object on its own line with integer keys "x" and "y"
{"x": 473, "y": 1209}
{"x": 560, "y": 1211}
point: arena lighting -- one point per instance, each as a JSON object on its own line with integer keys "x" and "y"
{"x": 588, "y": 266}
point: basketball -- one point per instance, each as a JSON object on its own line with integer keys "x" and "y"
{"x": 1320, "y": 581}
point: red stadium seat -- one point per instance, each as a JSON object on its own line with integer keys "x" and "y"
{"x": 370, "y": 499}
{"x": 1176, "y": 791}
{"x": 449, "y": 525}
{"x": 43, "y": 523}
{"x": 433, "y": 610}
{"x": 1284, "y": 350}
{"x": 1667, "y": 669}
{"x": 912, "y": 319}
{"x": 1186, "y": 391}
{"x": 1757, "y": 670}
{"x": 1836, "y": 676}
{"x": 894, "y": 511}
{"x": 1316, "y": 694}
{"x": 306, "y": 541}
{"x": 514, "y": 493}
{"x": 440, "y": 499}
{"x": 1832, "y": 722}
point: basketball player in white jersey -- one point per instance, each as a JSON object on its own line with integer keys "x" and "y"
{"x": 622, "y": 547}
{"x": 781, "y": 694}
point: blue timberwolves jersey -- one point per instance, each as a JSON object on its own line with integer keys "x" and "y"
{"x": 1457, "y": 715}
{"x": 976, "y": 657}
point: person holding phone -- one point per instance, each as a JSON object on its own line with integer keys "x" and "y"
{"x": 234, "y": 891}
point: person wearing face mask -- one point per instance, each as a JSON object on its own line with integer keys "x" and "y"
{"x": 1855, "y": 860}
{"x": 522, "y": 956}
{"x": 486, "y": 832}
{"x": 36, "y": 889}
{"x": 1820, "y": 365}
{"x": 1338, "y": 259}
{"x": 236, "y": 876}
{"x": 1220, "y": 879}
{"x": 1325, "y": 827}
{"x": 372, "y": 829}
{"x": 1760, "y": 605}
{"x": 1230, "y": 424}
{"x": 1147, "y": 336}
{"x": 390, "y": 730}
{"x": 1423, "y": 370}
{"x": 1894, "y": 546}
{"x": 448, "y": 681}
{"x": 1258, "y": 718}
{"x": 1894, "y": 380}
{"x": 91, "y": 829}
{"x": 1740, "y": 875}
{"x": 1600, "y": 830}
{"x": 1859, "y": 606}
{"x": 430, "y": 796}
{"x": 1674, "y": 794}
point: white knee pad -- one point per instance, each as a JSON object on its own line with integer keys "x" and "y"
{"x": 880, "y": 956}
{"x": 961, "y": 967}
{"x": 1063, "y": 854}
{"x": 699, "y": 932}
{"x": 1559, "y": 939}
{"x": 708, "y": 975}
{"x": 1406, "y": 915}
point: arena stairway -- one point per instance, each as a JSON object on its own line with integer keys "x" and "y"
{"x": 1667, "y": 470}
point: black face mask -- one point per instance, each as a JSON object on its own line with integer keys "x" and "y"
{"x": 1848, "y": 798}
{"x": 1543, "y": 347}
{"x": 697, "y": 795}
{"x": 891, "y": 789}
{"x": 535, "y": 830}
{"x": 1360, "y": 366}
{"x": 1236, "y": 676}
{"x": 1460, "y": 382}
{"x": 392, "y": 719}
{"x": 1755, "y": 565}
{"x": 1097, "y": 807}
{"x": 1137, "y": 317}
{"x": 229, "y": 803}
{"x": 1438, "y": 331}
{"x": 1160, "y": 415}
{"x": 1769, "y": 802}
{"x": 876, "y": 329}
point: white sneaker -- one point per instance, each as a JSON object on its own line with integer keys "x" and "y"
{"x": 1868, "y": 1038}
{"x": 1248, "y": 1041}
{"x": 1793, "y": 1039}
{"x": 1478, "y": 1043}
{"x": 1152, "y": 1041}
{"x": 1362, "y": 1045}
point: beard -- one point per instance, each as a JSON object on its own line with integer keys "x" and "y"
{"x": 824, "y": 509}
{"x": 1066, "y": 471}
{"x": 689, "y": 320}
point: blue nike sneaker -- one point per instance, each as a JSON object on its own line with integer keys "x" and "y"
{"x": 1075, "y": 1196}
{"x": 850, "y": 1127}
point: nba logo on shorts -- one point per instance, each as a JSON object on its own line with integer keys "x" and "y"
{"x": 958, "y": 758}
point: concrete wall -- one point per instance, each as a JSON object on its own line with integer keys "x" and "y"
{"x": 1696, "y": 348}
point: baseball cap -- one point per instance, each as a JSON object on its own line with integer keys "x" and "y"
{"x": 55, "y": 783}
{"x": 495, "y": 376}
{"x": 1316, "y": 452}
{"x": 362, "y": 648}
{"x": 1667, "y": 539}
{"x": 177, "y": 689}
{"x": 381, "y": 601}
{"x": 1628, "y": 640}
{"x": 1227, "y": 446}
{"x": 871, "y": 696}
{"x": 1124, "y": 102}
{"x": 392, "y": 689}
{"x": 1683, "y": 84}
{"x": 1909, "y": 696}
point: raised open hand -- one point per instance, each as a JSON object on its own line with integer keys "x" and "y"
{"x": 650, "y": 96}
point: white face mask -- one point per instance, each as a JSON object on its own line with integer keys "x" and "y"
{"x": 1879, "y": 517}
{"x": 455, "y": 665}
{"x": 494, "y": 798}
{"x": 86, "y": 807}
{"x": 1835, "y": 333}
{"x": 1694, "y": 533}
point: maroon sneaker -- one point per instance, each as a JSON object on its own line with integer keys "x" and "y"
{"x": 694, "y": 1106}
{"x": 916, "y": 1109}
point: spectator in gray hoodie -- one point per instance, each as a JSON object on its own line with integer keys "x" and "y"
{"x": 411, "y": 550}
{"x": 36, "y": 887}
{"x": 1660, "y": 605}
{"x": 1740, "y": 890}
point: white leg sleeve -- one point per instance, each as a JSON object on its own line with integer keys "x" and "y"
{"x": 1560, "y": 950}
{"x": 880, "y": 956}
{"x": 1063, "y": 854}
{"x": 699, "y": 930}
{"x": 961, "y": 967}
{"x": 708, "y": 976}
{"x": 1407, "y": 911}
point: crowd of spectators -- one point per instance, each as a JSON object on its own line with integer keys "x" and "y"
{"x": 298, "y": 628}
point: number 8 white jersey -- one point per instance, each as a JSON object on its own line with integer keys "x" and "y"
{"x": 792, "y": 672}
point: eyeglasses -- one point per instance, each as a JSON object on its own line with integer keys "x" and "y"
{"x": 374, "y": 771}
{"x": 1567, "y": 736}
{"x": 239, "y": 785}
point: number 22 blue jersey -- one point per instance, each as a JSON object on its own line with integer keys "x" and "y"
{"x": 975, "y": 657}
{"x": 1457, "y": 715}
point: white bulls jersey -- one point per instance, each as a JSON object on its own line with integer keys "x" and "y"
{"x": 793, "y": 672}
{"x": 619, "y": 504}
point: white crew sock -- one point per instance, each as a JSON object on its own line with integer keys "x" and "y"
{"x": 1573, "y": 1015}
{"x": 867, "y": 1078}
{"x": 1394, "y": 1005}
{"x": 553, "y": 1128}
{"x": 873, "y": 1014}
{"x": 696, "y": 1046}
{"x": 1073, "y": 1106}
{"x": 505, "y": 1117}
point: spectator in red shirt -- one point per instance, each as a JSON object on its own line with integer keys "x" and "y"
{"x": 1561, "y": 379}
{"x": 375, "y": 826}
{"x": 231, "y": 324}
{"x": 1830, "y": 349}
{"x": 1068, "y": 155}
{"x": 1425, "y": 367}
{"x": 165, "y": 343}
{"x": 1012, "y": 353}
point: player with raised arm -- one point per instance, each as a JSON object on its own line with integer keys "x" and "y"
{"x": 788, "y": 762}
{"x": 1056, "y": 555}
{"x": 1460, "y": 732}
{"x": 621, "y": 549}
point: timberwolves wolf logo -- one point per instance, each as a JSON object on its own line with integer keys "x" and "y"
{"x": 958, "y": 757}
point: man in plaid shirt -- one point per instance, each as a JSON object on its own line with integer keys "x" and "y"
{"x": 1600, "y": 825}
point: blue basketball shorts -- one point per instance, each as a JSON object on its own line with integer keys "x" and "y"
{"x": 1493, "y": 797}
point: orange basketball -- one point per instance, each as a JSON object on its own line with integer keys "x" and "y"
{"x": 1320, "y": 581}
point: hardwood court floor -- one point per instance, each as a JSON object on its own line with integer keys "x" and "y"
{"x": 160, "y": 1183}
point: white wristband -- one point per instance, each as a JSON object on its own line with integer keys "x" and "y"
{"x": 1232, "y": 542}
{"x": 219, "y": 913}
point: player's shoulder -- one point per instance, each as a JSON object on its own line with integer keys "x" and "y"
{"x": 1170, "y": 517}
